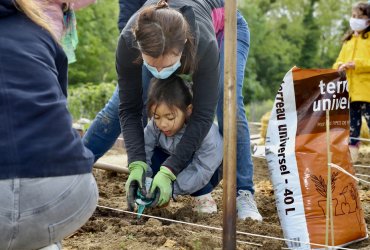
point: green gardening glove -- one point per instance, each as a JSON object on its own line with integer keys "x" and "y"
{"x": 161, "y": 188}
{"x": 134, "y": 182}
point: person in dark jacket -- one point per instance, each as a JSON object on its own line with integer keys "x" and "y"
{"x": 47, "y": 189}
{"x": 192, "y": 33}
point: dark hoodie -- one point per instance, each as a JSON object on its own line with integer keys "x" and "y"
{"x": 36, "y": 135}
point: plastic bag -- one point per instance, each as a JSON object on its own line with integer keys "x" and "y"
{"x": 296, "y": 152}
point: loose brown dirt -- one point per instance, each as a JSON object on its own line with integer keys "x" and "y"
{"x": 109, "y": 229}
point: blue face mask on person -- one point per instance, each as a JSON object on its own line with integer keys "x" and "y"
{"x": 165, "y": 72}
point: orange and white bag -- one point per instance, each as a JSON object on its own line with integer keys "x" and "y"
{"x": 296, "y": 152}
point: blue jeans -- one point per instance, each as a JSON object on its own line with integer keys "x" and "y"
{"x": 99, "y": 138}
{"x": 37, "y": 212}
{"x": 105, "y": 128}
{"x": 244, "y": 164}
{"x": 159, "y": 156}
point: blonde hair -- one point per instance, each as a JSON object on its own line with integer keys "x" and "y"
{"x": 34, "y": 10}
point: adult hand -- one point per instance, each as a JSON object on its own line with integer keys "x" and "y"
{"x": 135, "y": 181}
{"x": 161, "y": 189}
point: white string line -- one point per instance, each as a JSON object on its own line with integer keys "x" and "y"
{"x": 361, "y": 166}
{"x": 238, "y": 241}
{"x": 220, "y": 229}
{"x": 364, "y": 175}
{"x": 347, "y": 173}
{"x": 360, "y": 139}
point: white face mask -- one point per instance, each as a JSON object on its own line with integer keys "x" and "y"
{"x": 358, "y": 24}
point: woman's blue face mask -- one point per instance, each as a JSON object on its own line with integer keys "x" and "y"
{"x": 165, "y": 72}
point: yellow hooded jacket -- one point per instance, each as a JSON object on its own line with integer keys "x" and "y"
{"x": 357, "y": 50}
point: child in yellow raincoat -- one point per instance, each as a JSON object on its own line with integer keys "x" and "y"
{"x": 354, "y": 60}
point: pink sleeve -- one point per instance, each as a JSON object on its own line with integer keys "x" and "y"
{"x": 79, "y": 4}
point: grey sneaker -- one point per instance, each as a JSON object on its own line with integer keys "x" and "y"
{"x": 246, "y": 206}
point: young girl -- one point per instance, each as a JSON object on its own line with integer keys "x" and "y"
{"x": 354, "y": 60}
{"x": 169, "y": 106}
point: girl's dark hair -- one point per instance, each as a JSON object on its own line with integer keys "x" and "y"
{"x": 173, "y": 92}
{"x": 364, "y": 9}
{"x": 160, "y": 30}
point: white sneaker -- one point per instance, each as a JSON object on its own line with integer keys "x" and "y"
{"x": 246, "y": 206}
{"x": 205, "y": 204}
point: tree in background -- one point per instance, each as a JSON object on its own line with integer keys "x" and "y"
{"x": 254, "y": 14}
{"x": 309, "y": 51}
{"x": 286, "y": 33}
{"x": 276, "y": 39}
{"x": 98, "y": 35}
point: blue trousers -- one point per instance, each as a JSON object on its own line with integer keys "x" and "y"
{"x": 105, "y": 128}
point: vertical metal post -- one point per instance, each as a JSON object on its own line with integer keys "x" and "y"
{"x": 229, "y": 162}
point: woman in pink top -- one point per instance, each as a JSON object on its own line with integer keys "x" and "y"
{"x": 63, "y": 23}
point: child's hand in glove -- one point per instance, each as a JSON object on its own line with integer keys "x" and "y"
{"x": 161, "y": 189}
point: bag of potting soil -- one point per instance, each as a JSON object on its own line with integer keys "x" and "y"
{"x": 296, "y": 152}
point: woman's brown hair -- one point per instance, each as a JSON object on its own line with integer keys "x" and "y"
{"x": 161, "y": 30}
{"x": 34, "y": 10}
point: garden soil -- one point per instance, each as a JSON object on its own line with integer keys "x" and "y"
{"x": 117, "y": 229}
